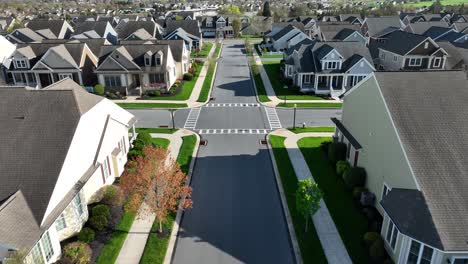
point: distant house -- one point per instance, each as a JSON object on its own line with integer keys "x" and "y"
{"x": 24, "y": 35}
{"x": 422, "y": 27}
{"x": 327, "y": 67}
{"x": 136, "y": 68}
{"x": 407, "y": 129}
{"x": 438, "y": 17}
{"x": 191, "y": 41}
{"x": 42, "y": 64}
{"x": 256, "y": 26}
{"x": 138, "y": 30}
{"x": 73, "y": 143}
{"x": 51, "y": 29}
{"x": 287, "y": 37}
{"x": 354, "y": 19}
{"x": 188, "y": 30}
{"x": 461, "y": 27}
{"x": 340, "y": 32}
{"x": 5, "y": 24}
{"x": 457, "y": 58}
{"x": 216, "y": 26}
{"x": 379, "y": 27}
{"x": 95, "y": 30}
{"x": 306, "y": 24}
{"x": 405, "y": 51}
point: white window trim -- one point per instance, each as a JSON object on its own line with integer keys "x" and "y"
{"x": 19, "y": 63}
{"x": 62, "y": 76}
{"x": 106, "y": 169}
{"x": 437, "y": 62}
{"x": 147, "y": 61}
{"x": 385, "y": 185}
{"x": 78, "y": 206}
{"x": 421, "y": 248}
{"x": 45, "y": 237}
{"x": 59, "y": 219}
{"x": 389, "y": 242}
{"x": 415, "y": 62}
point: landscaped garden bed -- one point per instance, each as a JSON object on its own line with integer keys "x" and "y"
{"x": 358, "y": 225}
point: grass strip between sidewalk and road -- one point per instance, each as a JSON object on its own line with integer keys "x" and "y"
{"x": 156, "y": 247}
{"x": 311, "y": 105}
{"x": 111, "y": 250}
{"x": 150, "y": 105}
{"x": 206, "y": 87}
{"x": 261, "y": 92}
{"x": 299, "y": 130}
{"x": 350, "y": 222}
{"x": 159, "y": 130}
{"x": 218, "y": 49}
{"x": 309, "y": 243}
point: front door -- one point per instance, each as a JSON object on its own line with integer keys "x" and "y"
{"x": 45, "y": 79}
{"x": 136, "y": 79}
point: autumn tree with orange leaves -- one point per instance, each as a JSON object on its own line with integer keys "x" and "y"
{"x": 162, "y": 185}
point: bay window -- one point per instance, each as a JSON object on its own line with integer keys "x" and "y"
{"x": 112, "y": 81}
{"x": 78, "y": 205}
{"x": 419, "y": 253}
{"x": 47, "y": 246}
{"x": 60, "y": 222}
{"x": 391, "y": 235}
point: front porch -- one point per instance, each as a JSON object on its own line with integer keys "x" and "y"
{"x": 326, "y": 83}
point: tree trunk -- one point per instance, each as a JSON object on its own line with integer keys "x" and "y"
{"x": 306, "y": 224}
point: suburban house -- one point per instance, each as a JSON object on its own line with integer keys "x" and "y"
{"x": 188, "y": 30}
{"x": 45, "y": 191}
{"x": 340, "y": 32}
{"x": 24, "y": 35}
{"x": 42, "y": 64}
{"x": 134, "y": 69}
{"x": 422, "y": 27}
{"x": 257, "y": 26}
{"x": 51, "y": 29}
{"x": 458, "y": 18}
{"x": 457, "y": 58}
{"x": 95, "y": 30}
{"x": 138, "y": 30}
{"x": 401, "y": 50}
{"x": 379, "y": 27}
{"x": 437, "y": 17}
{"x": 216, "y": 26}
{"x": 351, "y": 18}
{"x": 306, "y": 24}
{"x": 287, "y": 37}
{"x": 327, "y": 67}
{"x": 461, "y": 27}
{"x": 408, "y": 18}
{"x": 407, "y": 129}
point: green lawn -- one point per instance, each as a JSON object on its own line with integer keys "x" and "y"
{"x": 309, "y": 243}
{"x": 156, "y": 130}
{"x": 186, "y": 90}
{"x": 206, "y": 87}
{"x": 272, "y": 69}
{"x": 150, "y": 105}
{"x": 156, "y": 247}
{"x": 349, "y": 220}
{"x": 111, "y": 250}
{"x": 273, "y": 56}
{"x": 218, "y": 49}
{"x": 299, "y": 130}
{"x": 311, "y": 105}
{"x": 429, "y": 3}
{"x": 261, "y": 92}
{"x": 161, "y": 142}
{"x": 203, "y": 53}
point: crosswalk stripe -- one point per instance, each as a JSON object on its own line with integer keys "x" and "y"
{"x": 233, "y": 105}
{"x": 192, "y": 118}
{"x": 232, "y": 131}
{"x": 272, "y": 117}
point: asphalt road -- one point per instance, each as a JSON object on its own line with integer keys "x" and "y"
{"x": 237, "y": 215}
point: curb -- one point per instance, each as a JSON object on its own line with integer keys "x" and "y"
{"x": 287, "y": 214}
{"x": 180, "y": 212}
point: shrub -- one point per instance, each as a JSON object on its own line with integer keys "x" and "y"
{"x": 86, "y": 235}
{"x": 113, "y": 196}
{"x": 357, "y": 191}
{"x": 370, "y": 238}
{"x": 101, "y": 210}
{"x": 188, "y": 76}
{"x": 354, "y": 177}
{"x": 99, "y": 89}
{"x": 336, "y": 152}
{"x": 377, "y": 250}
{"x": 341, "y": 167}
{"x": 156, "y": 93}
{"x": 77, "y": 253}
{"x": 99, "y": 222}
{"x": 143, "y": 139}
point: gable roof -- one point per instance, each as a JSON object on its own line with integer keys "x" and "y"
{"x": 283, "y": 32}
{"x": 432, "y": 130}
{"x": 189, "y": 26}
{"x": 337, "y": 31}
{"x": 378, "y": 26}
{"x": 55, "y": 26}
{"x": 436, "y": 32}
{"x": 99, "y": 27}
{"x": 31, "y": 119}
{"x": 401, "y": 42}
{"x": 25, "y": 35}
{"x": 421, "y": 27}
{"x": 125, "y": 29}
{"x": 457, "y": 56}
{"x": 131, "y": 56}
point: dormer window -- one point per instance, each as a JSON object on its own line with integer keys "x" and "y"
{"x": 158, "y": 58}
{"x": 426, "y": 45}
{"x": 147, "y": 61}
{"x": 331, "y": 65}
{"x": 21, "y": 63}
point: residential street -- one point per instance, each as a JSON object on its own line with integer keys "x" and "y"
{"x": 237, "y": 215}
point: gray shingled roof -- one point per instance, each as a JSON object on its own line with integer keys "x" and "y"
{"x": 429, "y": 112}
{"x": 401, "y": 42}
{"x": 99, "y": 27}
{"x": 54, "y": 25}
{"x": 331, "y": 30}
{"x": 457, "y": 56}
{"x": 190, "y": 26}
{"x": 39, "y": 126}
{"x": 378, "y": 26}
{"x": 283, "y": 32}
{"x": 421, "y": 27}
{"x": 125, "y": 29}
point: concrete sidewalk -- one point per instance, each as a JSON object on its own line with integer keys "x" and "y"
{"x": 274, "y": 100}
{"x": 332, "y": 245}
{"x": 192, "y": 101}
{"x": 134, "y": 245}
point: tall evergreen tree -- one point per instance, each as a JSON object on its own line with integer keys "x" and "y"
{"x": 266, "y": 9}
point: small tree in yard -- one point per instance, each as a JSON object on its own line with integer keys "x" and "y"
{"x": 162, "y": 184}
{"x": 308, "y": 196}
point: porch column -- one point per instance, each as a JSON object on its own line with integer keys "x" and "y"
{"x": 330, "y": 78}
{"x": 345, "y": 80}
{"x": 14, "y": 79}
{"x": 315, "y": 82}
{"x": 38, "y": 80}
{"x": 80, "y": 79}
{"x": 51, "y": 77}
{"x": 26, "y": 77}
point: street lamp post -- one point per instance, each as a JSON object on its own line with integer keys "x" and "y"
{"x": 294, "y": 118}
{"x": 172, "y": 117}
{"x": 285, "y": 87}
